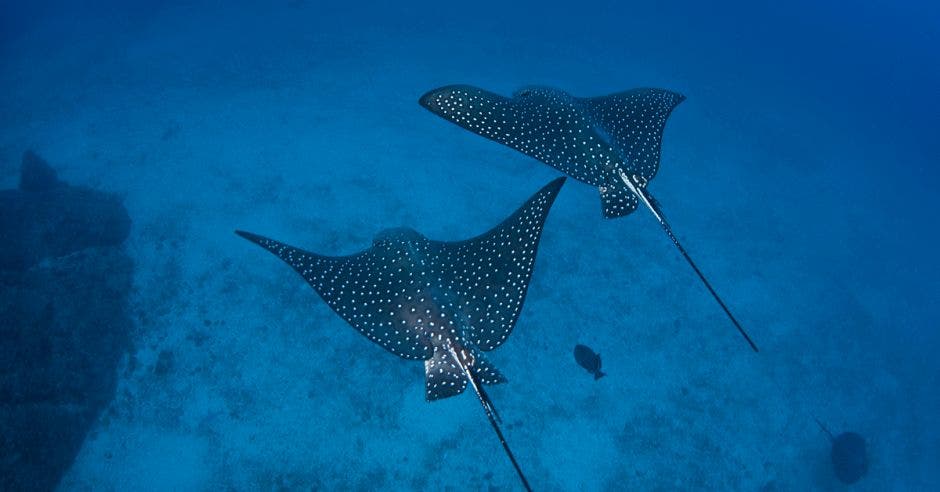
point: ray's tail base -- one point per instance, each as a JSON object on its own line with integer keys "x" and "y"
{"x": 494, "y": 419}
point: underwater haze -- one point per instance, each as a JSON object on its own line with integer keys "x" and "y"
{"x": 801, "y": 173}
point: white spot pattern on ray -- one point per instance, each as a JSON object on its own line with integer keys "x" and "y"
{"x": 489, "y": 275}
{"x": 636, "y": 120}
{"x": 444, "y": 377}
{"x": 588, "y": 139}
{"x": 416, "y": 297}
{"x": 369, "y": 290}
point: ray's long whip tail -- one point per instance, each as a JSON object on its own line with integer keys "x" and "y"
{"x": 647, "y": 199}
{"x": 492, "y": 416}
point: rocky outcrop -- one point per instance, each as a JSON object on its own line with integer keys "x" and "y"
{"x": 64, "y": 281}
{"x": 46, "y": 218}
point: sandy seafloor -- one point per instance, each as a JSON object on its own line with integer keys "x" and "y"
{"x": 799, "y": 173}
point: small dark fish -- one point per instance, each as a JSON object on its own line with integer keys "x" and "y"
{"x": 587, "y": 359}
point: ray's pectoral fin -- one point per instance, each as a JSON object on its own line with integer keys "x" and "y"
{"x": 491, "y": 301}
{"x": 444, "y": 377}
{"x": 341, "y": 281}
{"x": 635, "y": 120}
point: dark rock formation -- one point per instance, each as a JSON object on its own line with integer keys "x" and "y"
{"x": 47, "y": 218}
{"x": 64, "y": 279}
{"x": 36, "y": 174}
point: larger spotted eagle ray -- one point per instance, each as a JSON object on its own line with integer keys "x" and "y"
{"x": 613, "y": 142}
{"x": 441, "y": 302}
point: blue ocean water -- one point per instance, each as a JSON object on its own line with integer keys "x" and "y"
{"x": 800, "y": 173}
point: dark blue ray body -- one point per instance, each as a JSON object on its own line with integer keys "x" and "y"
{"x": 589, "y": 139}
{"x": 613, "y": 142}
{"x": 440, "y": 302}
{"x": 407, "y": 293}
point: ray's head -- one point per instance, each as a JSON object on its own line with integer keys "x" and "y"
{"x": 446, "y": 99}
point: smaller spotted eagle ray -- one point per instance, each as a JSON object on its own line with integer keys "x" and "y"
{"x": 613, "y": 142}
{"x": 441, "y": 302}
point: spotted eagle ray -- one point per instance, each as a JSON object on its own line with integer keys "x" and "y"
{"x": 441, "y": 302}
{"x": 613, "y": 142}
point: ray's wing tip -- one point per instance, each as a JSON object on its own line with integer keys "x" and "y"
{"x": 555, "y": 185}
{"x": 427, "y": 99}
{"x": 677, "y": 97}
{"x": 255, "y": 238}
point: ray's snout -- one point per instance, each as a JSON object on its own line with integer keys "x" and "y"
{"x": 434, "y": 99}
{"x": 427, "y": 100}
{"x": 431, "y": 100}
